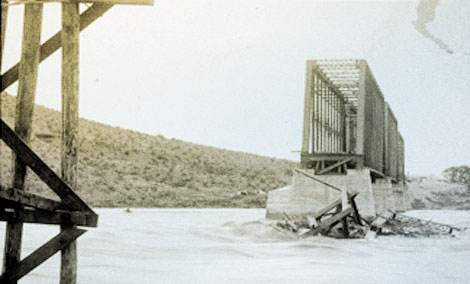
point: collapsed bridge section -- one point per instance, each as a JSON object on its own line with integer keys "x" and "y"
{"x": 347, "y": 122}
{"x": 350, "y": 146}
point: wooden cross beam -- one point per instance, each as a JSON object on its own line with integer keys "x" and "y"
{"x": 29, "y": 199}
{"x": 38, "y": 216}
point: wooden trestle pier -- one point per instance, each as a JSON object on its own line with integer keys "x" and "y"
{"x": 19, "y": 206}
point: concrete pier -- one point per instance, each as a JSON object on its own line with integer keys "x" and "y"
{"x": 399, "y": 198}
{"x": 308, "y": 196}
{"x": 383, "y": 195}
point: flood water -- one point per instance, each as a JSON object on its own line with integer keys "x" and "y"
{"x": 239, "y": 246}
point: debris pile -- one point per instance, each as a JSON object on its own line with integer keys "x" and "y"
{"x": 305, "y": 226}
{"x": 402, "y": 225}
{"x": 389, "y": 225}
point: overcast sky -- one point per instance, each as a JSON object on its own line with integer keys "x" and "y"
{"x": 231, "y": 73}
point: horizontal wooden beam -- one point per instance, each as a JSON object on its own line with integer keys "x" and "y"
{"x": 329, "y": 156}
{"x": 62, "y": 189}
{"x": 54, "y": 43}
{"x": 37, "y": 216}
{"x": 29, "y": 199}
{"x": 119, "y": 2}
{"x": 41, "y": 254}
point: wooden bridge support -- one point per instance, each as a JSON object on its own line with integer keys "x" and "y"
{"x": 23, "y": 121}
{"x": 69, "y": 162}
{"x": 17, "y": 205}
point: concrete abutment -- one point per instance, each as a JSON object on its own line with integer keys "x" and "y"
{"x": 307, "y": 196}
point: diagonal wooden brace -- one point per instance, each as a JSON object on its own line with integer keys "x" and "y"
{"x": 334, "y": 166}
{"x": 62, "y": 189}
{"x": 54, "y": 43}
{"x": 41, "y": 254}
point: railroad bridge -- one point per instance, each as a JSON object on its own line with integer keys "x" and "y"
{"x": 350, "y": 144}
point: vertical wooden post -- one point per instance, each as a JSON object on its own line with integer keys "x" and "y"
{"x": 313, "y": 119}
{"x": 317, "y": 114}
{"x": 306, "y": 137}
{"x": 320, "y": 116}
{"x": 361, "y": 108}
{"x": 70, "y": 88}
{"x": 328, "y": 119}
{"x": 24, "y": 116}
{"x": 28, "y": 73}
{"x": 4, "y": 28}
{"x": 2, "y": 34}
{"x": 387, "y": 171}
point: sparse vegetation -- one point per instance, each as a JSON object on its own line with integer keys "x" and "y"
{"x": 418, "y": 204}
{"x": 124, "y": 168}
{"x": 459, "y": 175}
{"x": 430, "y": 193}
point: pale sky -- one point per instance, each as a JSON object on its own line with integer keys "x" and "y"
{"x": 231, "y": 73}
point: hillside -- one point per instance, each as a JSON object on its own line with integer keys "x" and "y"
{"x": 124, "y": 168}
{"x": 431, "y": 193}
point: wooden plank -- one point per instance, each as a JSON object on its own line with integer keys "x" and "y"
{"x": 31, "y": 215}
{"x": 62, "y": 189}
{"x": 41, "y": 254}
{"x": 345, "y": 227}
{"x": 335, "y": 218}
{"x": 328, "y": 208}
{"x": 335, "y": 165}
{"x": 54, "y": 43}
{"x": 328, "y": 222}
{"x": 69, "y": 149}
{"x": 28, "y": 199}
{"x": 113, "y": 2}
{"x": 356, "y": 215}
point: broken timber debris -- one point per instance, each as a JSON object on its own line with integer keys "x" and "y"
{"x": 333, "y": 220}
{"x": 402, "y": 225}
{"x": 340, "y": 223}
